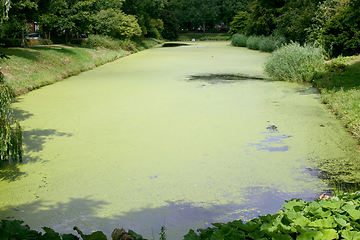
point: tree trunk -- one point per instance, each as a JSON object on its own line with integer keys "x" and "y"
{"x": 66, "y": 37}
{"x": 204, "y": 30}
{"x": 22, "y": 38}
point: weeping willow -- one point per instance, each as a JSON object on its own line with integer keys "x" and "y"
{"x": 10, "y": 130}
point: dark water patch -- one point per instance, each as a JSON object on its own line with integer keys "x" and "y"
{"x": 223, "y": 78}
{"x": 174, "y": 44}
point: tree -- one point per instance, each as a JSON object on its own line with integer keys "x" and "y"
{"x": 341, "y": 35}
{"x": 21, "y": 12}
{"x": 116, "y": 24}
{"x": 240, "y": 23}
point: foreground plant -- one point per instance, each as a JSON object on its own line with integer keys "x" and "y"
{"x": 334, "y": 218}
{"x": 10, "y": 130}
{"x": 295, "y": 63}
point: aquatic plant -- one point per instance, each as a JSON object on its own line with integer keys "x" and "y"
{"x": 10, "y": 130}
{"x": 239, "y": 40}
{"x": 336, "y": 217}
{"x": 295, "y": 63}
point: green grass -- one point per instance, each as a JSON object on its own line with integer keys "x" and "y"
{"x": 340, "y": 90}
{"x": 34, "y": 67}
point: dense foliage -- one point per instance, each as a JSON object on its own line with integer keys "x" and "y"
{"x": 333, "y": 24}
{"x": 10, "y": 130}
{"x": 337, "y": 217}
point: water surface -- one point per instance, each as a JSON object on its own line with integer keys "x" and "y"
{"x": 162, "y": 137}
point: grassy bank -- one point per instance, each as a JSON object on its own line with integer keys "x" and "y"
{"x": 207, "y": 37}
{"x": 34, "y": 67}
{"x": 340, "y": 90}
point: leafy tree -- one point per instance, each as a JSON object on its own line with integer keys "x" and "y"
{"x": 116, "y": 24}
{"x": 201, "y": 12}
{"x": 145, "y": 11}
{"x": 325, "y": 11}
{"x": 240, "y": 23}
{"x": 341, "y": 35}
{"x": 171, "y": 16}
{"x": 230, "y": 8}
{"x": 21, "y": 12}
{"x": 264, "y": 15}
{"x": 295, "y": 17}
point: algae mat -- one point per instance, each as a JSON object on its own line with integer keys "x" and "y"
{"x": 139, "y": 143}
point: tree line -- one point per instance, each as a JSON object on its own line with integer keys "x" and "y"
{"x": 120, "y": 19}
{"x": 333, "y": 24}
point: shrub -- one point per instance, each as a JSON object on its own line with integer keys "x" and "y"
{"x": 11, "y": 42}
{"x": 295, "y": 63}
{"x": 100, "y": 41}
{"x": 253, "y": 42}
{"x": 239, "y": 40}
{"x": 272, "y": 42}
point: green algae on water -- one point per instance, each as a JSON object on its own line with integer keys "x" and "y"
{"x": 132, "y": 143}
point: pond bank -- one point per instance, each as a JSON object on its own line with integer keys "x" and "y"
{"x": 34, "y": 67}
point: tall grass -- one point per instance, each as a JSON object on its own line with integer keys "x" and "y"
{"x": 295, "y": 63}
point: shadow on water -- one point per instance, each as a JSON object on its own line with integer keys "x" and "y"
{"x": 33, "y": 141}
{"x": 174, "y": 44}
{"x": 177, "y": 216}
{"x": 223, "y": 78}
{"x": 10, "y": 172}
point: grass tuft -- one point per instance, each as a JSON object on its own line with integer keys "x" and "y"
{"x": 295, "y": 63}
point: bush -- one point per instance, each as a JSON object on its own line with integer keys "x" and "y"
{"x": 295, "y": 63}
{"x": 239, "y": 40}
{"x": 253, "y": 42}
{"x": 36, "y": 42}
{"x": 11, "y": 42}
{"x": 272, "y": 42}
{"x": 100, "y": 41}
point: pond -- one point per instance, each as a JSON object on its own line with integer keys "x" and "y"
{"x": 177, "y": 136}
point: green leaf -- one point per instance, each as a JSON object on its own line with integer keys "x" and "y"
{"x": 302, "y": 221}
{"x": 323, "y": 223}
{"x": 249, "y": 226}
{"x": 293, "y": 215}
{"x": 341, "y": 222}
{"x": 315, "y": 235}
{"x": 330, "y": 234}
{"x": 295, "y": 204}
{"x": 94, "y": 236}
{"x": 134, "y": 235}
{"x": 350, "y": 235}
{"x": 282, "y": 237}
{"x": 50, "y": 234}
{"x": 191, "y": 236}
{"x": 330, "y": 204}
{"x": 256, "y": 234}
{"x": 69, "y": 237}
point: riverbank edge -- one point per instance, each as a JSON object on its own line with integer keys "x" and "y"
{"x": 27, "y": 69}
